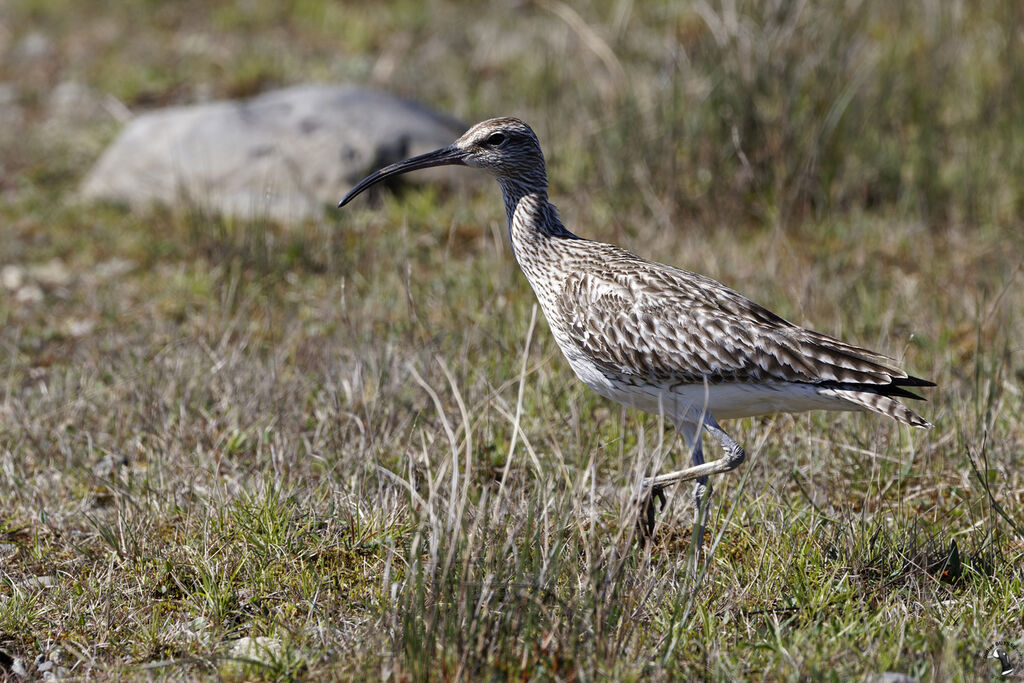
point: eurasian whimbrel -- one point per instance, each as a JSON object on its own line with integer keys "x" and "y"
{"x": 659, "y": 338}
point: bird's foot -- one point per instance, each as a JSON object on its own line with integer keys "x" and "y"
{"x": 648, "y": 511}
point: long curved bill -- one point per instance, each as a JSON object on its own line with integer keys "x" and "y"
{"x": 446, "y": 156}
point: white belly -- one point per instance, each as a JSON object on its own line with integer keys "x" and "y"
{"x": 688, "y": 402}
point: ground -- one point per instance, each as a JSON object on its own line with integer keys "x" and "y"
{"x": 353, "y": 440}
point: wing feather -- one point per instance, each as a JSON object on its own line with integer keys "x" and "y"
{"x": 652, "y": 321}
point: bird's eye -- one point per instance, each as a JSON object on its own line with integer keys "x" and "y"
{"x": 495, "y": 139}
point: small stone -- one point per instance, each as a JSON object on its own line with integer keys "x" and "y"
{"x": 79, "y": 327}
{"x": 259, "y": 649}
{"x": 12, "y": 277}
{"x": 18, "y": 668}
{"x": 36, "y": 582}
{"x": 53, "y": 273}
{"x": 29, "y": 294}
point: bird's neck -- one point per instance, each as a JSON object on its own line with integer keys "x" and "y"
{"x": 540, "y": 244}
{"x": 531, "y": 217}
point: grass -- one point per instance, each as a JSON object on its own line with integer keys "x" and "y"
{"x": 352, "y": 438}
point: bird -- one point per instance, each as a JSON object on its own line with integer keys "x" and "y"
{"x": 658, "y": 338}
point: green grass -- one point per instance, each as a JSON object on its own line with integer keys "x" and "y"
{"x": 348, "y": 438}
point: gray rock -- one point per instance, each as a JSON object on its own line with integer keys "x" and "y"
{"x": 285, "y": 154}
{"x": 18, "y": 668}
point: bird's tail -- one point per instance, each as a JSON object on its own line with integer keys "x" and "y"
{"x": 879, "y": 403}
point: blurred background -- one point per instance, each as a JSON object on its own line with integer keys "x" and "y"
{"x": 733, "y": 110}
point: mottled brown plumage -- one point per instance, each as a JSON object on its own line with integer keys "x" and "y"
{"x": 659, "y": 338}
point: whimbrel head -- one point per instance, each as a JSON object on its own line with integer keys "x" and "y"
{"x": 506, "y": 147}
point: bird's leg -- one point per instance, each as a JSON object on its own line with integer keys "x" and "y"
{"x": 700, "y": 471}
{"x": 652, "y": 489}
{"x": 734, "y": 457}
{"x": 734, "y": 453}
{"x": 701, "y": 499}
{"x": 648, "y": 511}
